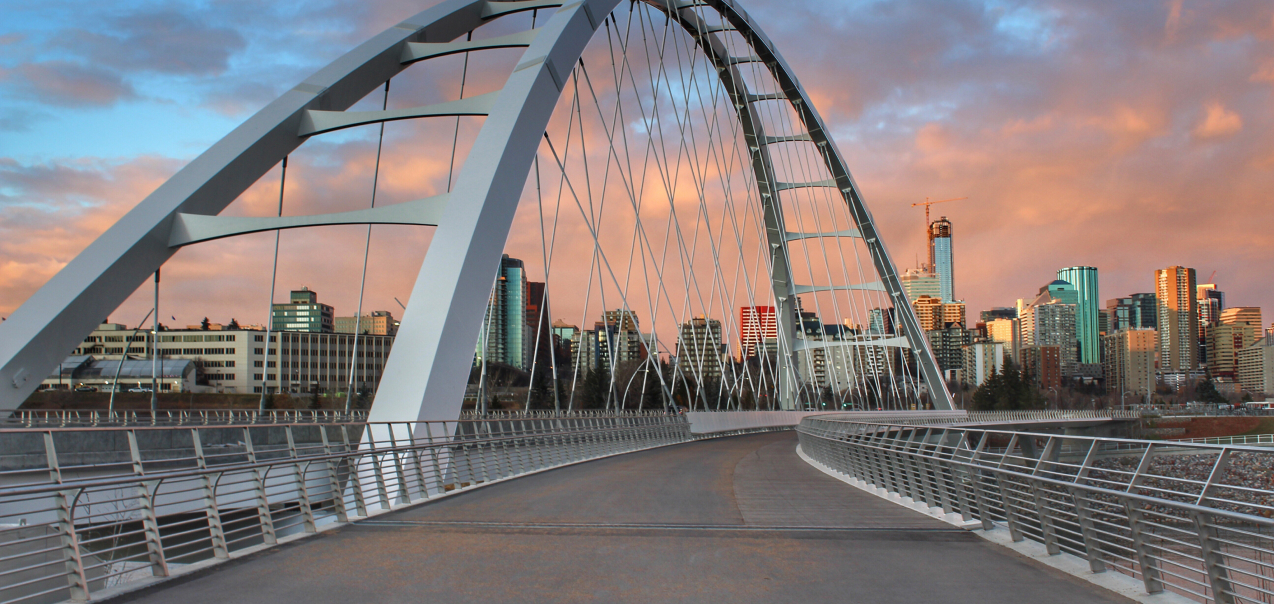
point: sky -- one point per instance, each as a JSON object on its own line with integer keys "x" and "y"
{"x": 1129, "y": 136}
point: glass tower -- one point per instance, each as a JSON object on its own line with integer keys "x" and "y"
{"x": 940, "y": 239}
{"x": 1084, "y": 278}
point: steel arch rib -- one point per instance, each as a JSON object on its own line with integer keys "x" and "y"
{"x": 450, "y": 293}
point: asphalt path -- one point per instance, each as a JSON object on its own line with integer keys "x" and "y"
{"x": 737, "y": 520}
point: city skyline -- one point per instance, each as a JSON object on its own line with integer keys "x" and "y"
{"x": 1054, "y": 180}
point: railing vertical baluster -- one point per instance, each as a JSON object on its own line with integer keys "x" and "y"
{"x": 299, "y": 471}
{"x": 333, "y": 477}
{"x": 1149, "y": 567}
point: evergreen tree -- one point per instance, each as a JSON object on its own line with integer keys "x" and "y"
{"x": 1208, "y": 393}
{"x": 1007, "y": 390}
{"x": 234, "y": 324}
{"x": 315, "y": 405}
{"x": 541, "y": 390}
{"x": 205, "y": 324}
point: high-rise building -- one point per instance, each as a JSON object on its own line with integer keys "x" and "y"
{"x": 1256, "y": 366}
{"x": 880, "y": 321}
{"x": 618, "y": 338}
{"x": 948, "y": 346}
{"x": 932, "y": 313}
{"x": 701, "y": 351}
{"x": 378, "y": 323}
{"x": 1250, "y": 315}
{"x": 1049, "y": 320}
{"x": 1178, "y": 319}
{"x": 1007, "y": 332}
{"x": 982, "y": 360}
{"x": 1224, "y": 343}
{"x": 504, "y": 330}
{"x": 1042, "y": 365}
{"x": 1138, "y": 311}
{"x": 538, "y": 331}
{"x": 1129, "y": 361}
{"x": 943, "y": 263}
{"x": 758, "y": 331}
{"x": 918, "y": 282}
{"x": 999, "y": 312}
{"x": 1087, "y": 328}
{"x": 302, "y": 313}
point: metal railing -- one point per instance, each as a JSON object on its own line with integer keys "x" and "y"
{"x": 1250, "y": 439}
{"x": 25, "y": 418}
{"x": 87, "y": 509}
{"x": 1191, "y": 519}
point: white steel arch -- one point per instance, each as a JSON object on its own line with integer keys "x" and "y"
{"x": 424, "y": 378}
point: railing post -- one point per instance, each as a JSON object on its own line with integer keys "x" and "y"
{"x": 263, "y": 500}
{"x": 979, "y": 493}
{"x": 1149, "y": 567}
{"x": 146, "y": 491}
{"x": 208, "y": 484}
{"x": 382, "y": 491}
{"x": 298, "y": 479}
{"x": 403, "y": 495}
{"x": 77, "y": 584}
{"x": 1047, "y": 530}
{"x": 351, "y": 462}
{"x": 334, "y": 478}
{"x": 417, "y": 453}
{"x": 1010, "y": 516}
{"x": 1213, "y": 559}
{"x": 433, "y": 457}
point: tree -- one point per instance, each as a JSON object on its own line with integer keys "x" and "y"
{"x": 1208, "y": 393}
{"x": 233, "y": 324}
{"x": 541, "y": 390}
{"x": 364, "y": 400}
{"x": 269, "y": 401}
{"x": 314, "y": 401}
{"x": 1007, "y": 390}
{"x": 205, "y": 324}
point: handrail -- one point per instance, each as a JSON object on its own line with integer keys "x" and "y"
{"x": 1179, "y": 516}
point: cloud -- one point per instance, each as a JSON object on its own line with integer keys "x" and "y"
{"x": 1265, "y": 73}
{"x": 67, "y": 84}
{"x": 164, "y": 41}
{"x": 1218, "y": 122}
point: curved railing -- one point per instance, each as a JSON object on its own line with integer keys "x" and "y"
{"x": 1193, "y": 519}
{"x": 90, "y": 508}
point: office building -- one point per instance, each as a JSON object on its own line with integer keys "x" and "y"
{"x": 982, "y": 360}
{"x": 701, "y": 351}
{"x": 237, "y": 361}
{"x": 1087, "y": 328}
{"x": 918, "y": 282}
{"x": 1129, "y": 362}
{"x": 1178, "y": 319}
{"x": 758, "y": 331}
{"x": 1256, "y": 367}
{"x": 504, "y": 331}
{"x": 880, "y": 321}
{"x": 378, "y": 322}
{"x": 320, "y": 362}
{"x": 1237, "y": 328}
{"x": 303, "y": 313}
{"x": 1138, "y": 311}
{"x": 943, "y": 263}
{"x": 1211, "y": 303}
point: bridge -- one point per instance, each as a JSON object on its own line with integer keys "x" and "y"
{"x": 757, "y": 416}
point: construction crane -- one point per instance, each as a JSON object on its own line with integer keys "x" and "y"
{"x": 926, "y": 203}
{"x": 929, "y": 232}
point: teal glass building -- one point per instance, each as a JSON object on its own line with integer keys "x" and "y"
{"x": 1084, "y": 280}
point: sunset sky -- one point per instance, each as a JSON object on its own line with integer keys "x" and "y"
{"x": 1128, "y": 136}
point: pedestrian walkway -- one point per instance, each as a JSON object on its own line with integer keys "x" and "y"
{"x": 735, "y": 520}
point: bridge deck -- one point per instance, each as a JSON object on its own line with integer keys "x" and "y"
{"x": 738, "y": 519}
